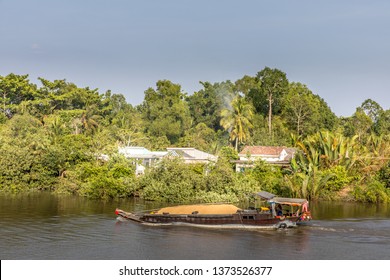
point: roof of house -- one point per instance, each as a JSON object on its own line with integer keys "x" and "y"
{"x": 134, "y": 150}
{"x": 262, "y": 150}
{"x": 186, "y": 153}
{"x": 190, "y": 153}
{"x": 140, "y": 152}
{"x": 290, "y": 153}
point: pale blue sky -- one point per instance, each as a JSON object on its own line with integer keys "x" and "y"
{"x": 339, "y": 49}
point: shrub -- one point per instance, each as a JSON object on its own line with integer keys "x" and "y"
{"x": 384, "y": 175}
{"x": 111, "y": 179}
{"x": 171, "y": 181}
{"x": 175, "y": 182}
{"x": 268, "y": 177}
{"x": 339, "y": 179}
{"x": 373, "y": 191}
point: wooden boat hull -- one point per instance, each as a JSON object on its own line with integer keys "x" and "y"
{"x": 244, "y": 219}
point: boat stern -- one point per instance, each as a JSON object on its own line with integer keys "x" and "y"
{"x": 305, "y": 216}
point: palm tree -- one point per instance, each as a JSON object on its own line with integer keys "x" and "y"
{"x": 90, "y": 119}
{"x": 238, "y": 120}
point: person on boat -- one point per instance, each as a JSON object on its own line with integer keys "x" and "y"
{"x": 279, "y": 210}
{"x": 305, "y": 207}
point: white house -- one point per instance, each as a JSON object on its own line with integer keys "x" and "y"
{"x": 142, "y": 157}
{"x": 145, "y": 158}
{"x": 270, "y": 154}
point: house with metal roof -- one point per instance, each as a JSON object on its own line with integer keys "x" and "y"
{"x": 144, "y": 158}
{"x": 192, "y": 155}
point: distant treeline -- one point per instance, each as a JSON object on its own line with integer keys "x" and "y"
{"x": 52, "y": 136}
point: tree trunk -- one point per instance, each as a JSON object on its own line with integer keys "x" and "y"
{"x": 4, "y": 102}
{"x": 298, "y": 125}
{"x": 270, "y": 114}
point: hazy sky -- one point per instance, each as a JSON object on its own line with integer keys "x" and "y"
{"x": 339, "y": 49}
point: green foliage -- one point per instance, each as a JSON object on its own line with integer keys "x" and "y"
{"x": 221, "y": 178}
{"x": 25, "y": 156}
{"x": 270, "y": 86}
{"x": 339, "y": 178}
{"x": 170, "y": 181}
{"x": 14, "y": 89}
{"x": 246, "y": 85}
{"x": 229, "y": 185}
{"x": 205, "y": 105}
{"x": 274, "y": 85}
{"x": 175, "y": 182}
{"x": 158, "y": 143}
{"x": 371, "y": 191}
{"x": 77, "y": 148}
{"x": 382, "y": 126}
{"x": 228, "y": 154}
{"x": 63, "y": 95}
{"x": 268, "y": 177}
{"x": 24, "y": 168}
{"x": 200, "y": 137}
{"x": 111, "y": 179}
{"x": 58, "y": 136}
{"x": 165, "y": 111}
{"x": 310, "y": 185}
{"x": 238, "y": 120}
{"x": 384, "y": 175}
{"x": 372, "y": 109}
{"x": 306, "y": 113}
{"x": 324, "y": 150}
{"x": 358, "y": 124}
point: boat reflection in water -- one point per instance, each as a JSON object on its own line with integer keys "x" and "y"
{"x": 278, "y": 212}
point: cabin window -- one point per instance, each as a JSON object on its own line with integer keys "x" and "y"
{"x": 248, "y": 217}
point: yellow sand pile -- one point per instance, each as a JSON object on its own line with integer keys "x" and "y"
{"x": 200, "y": 208}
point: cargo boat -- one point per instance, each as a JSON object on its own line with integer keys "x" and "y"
{"x": 277, "y": 212}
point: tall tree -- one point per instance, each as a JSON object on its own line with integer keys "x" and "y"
{"x": 247, "y": 84}
{"x": 201, "y": 137}
{"x": 274, "y": 85}
{"x": 165, "y": 111}
{"x": 238, "y": 120}
{"x": 383, "y": 123}
{"x": 63, "y": 95}
{"x": 375, "y": 112}
{"x": 326, "y": 118}
{"x": 372, "y": 109}
{"x": 205, "y": 106}
{"x": 299, "y": 106}
{"x": 361, "y": 123}
{"x": 15, "y": 89}
{"x": 305, "y": 112}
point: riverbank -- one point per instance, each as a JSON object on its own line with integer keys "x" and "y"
{"x": 173, "y": 181}
{"x": 346, "y": 195}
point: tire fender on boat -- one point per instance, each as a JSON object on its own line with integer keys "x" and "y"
{"x": 282, "y": 225}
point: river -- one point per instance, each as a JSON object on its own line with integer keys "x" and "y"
{"x": 47, "y": 226}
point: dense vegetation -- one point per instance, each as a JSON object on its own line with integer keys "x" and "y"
{"x": 53, "y": 137}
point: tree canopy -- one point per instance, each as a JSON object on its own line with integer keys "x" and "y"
{"x": 57, "y": 136}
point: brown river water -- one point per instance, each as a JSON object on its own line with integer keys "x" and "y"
{"x": 46, "y": 226}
